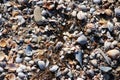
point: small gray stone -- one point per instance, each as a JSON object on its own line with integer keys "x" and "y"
{"x": 97, "y": 1}
{"x": 21, "y": 75}
{"x": 117, "y": 11}
{"x": 81, "y": 15}
{"x": 1, "y": 69}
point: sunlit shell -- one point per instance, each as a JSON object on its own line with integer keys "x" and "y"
{"x": 10, "y": 76}
{"x": 108, "y": 12}
{"x": 2, "y": 55}
{"x": 102, "y": 22}
{"x": 3, "y": 43}
{"x": 14, "y": 27}
{"x": 15, "y": 13}
{"x": 11, "y": 67}
{"x": 113, "y": 53}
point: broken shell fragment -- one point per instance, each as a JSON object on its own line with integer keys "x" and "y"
{"x": 2, "y": 55}
{"x": 11, "y": 67}
{"x": 114, "y": 53}
{"x": 105, "y": 69}
{"x": 82, "y": 39}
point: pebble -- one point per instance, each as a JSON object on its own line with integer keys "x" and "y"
{"x": 37, "y": 14}
{"x": 18, "y": 60}
{"x": 1, "y": 69}
{"x": 21, "y": 75}
{"x": 114, "y": 53}
{"x": 20, "y": 19}
{"x": 74, "y": 13}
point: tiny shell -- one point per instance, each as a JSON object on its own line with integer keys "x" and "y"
{"x": 114, "y": 53}
{"x": 41, "y": 65}
{"x": 54, "y": 68}
{"x": 107, "y": 45}
{"x": 2, "y": 55}
{"x": 3, "y": 43}
{"x": 82, "y": 39}
{"x": 14, "y": 27}
{"x": 97, "y": 1}
{"x": 78, "y": 57}
{"x": 10, "y": 76}
{"x": 28, "y": 50}
{"x": 108, "y": 12}
{"x": 15, "y": 13}
{"x": 81, "y": 15}
{"x": 74, "y": 13}
{"x": 11, "y": 67}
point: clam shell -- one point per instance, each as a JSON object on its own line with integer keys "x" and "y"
{"x": 10, "y": 76}
{"x": 3, "y": 43}
{"x": 108, "y": 12}
{"x": 11, "y": 67}
{"x": 114, "y": 53}
{"x": 2, "y": 55}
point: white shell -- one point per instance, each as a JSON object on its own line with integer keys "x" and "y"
{"x": 74, "y": 13}
{"x": 54, "y": 68}
{"x": 107, "y": 45}
{"x": 81, "y": 15}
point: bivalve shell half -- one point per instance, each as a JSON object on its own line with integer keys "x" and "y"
{"x": 3, "y": 43}
{"x": 10, "y": 76}
{"x": 2, "y": 55}
{"x": 113, "y": 53}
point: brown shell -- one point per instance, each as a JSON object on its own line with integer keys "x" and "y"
{"x": 3, "y": 43}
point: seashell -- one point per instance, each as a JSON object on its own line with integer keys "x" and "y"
{"x": 92, "y": 10}
{"x": 117, "y": 12}
{"x": 37, "y": 14}
{"x": 70, "y": 74}
{"x": 118, "y": 45}
{"x": 74, "y": 13}
{"x": 41, "y": 65}
{"x": 28, "y": 50}
{"x": 14, "y": 27}
{"x": 97, "y": 1}
{"x": 54, "y": 68}
{"x": 3, "y": 43}
{"x": 114, "y": 53}
{"x": 108, "y": 12}
{"x": 110, "y": 26}
{"x": 10, "y": 76}
{"x": 107, "y": 45}
{"x": 21, "y": 75}
{"x": 18, "y": 59}
{"x": 82, "y": 39}
{"x": 114, "y": 43}
{"x": 105, "y": 69}
{"x": 78, "y": 57}
{"x": 2, "y": 55}
{"x": 11, "y": 67}
{"x": 83, "y": 7}
{"x": 80, "y": 78}
{"x": 1, "y": 69}
{"x": 15, "y": 13}
{"x": 20, "y": 20}
{"x": 94, "y": 62}
{"x": 81, "y": 15}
